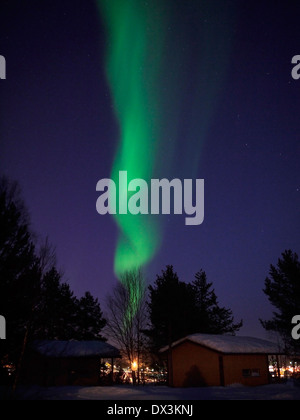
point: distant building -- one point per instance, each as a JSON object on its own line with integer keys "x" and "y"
{"x": 219, "y": 360}
{"x": 56, "y": 363}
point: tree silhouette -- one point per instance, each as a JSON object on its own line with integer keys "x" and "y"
{"x": 209, "y": 316}
{"x": 19, "y": 267}
{"x": 34, "y": 300}
{"x": 282, "y": 288}
{"x": 177, "y": 309}
{"x": 59, "y": 315}
{"x": 171, "y": 308}
{"x": 126, "y": 317}
{"x": 55, "y": 312}
{"x": 90, "y": 321}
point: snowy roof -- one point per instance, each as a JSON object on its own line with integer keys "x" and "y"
{"x": 73, "y": 348}
{"x": 230, "y": 344}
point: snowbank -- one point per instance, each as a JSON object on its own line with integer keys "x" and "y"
{"x": 126, "y": 392}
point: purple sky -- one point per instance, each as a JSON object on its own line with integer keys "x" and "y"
{"x": 58, "y": 135}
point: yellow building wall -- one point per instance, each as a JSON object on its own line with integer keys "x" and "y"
{"x": 234, "y": 365}
{"x": 194, "y": 365}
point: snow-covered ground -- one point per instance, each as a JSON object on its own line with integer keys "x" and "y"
{"x": 287, "y": 391}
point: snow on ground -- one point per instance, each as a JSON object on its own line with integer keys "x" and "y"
{"x": 287, "y": 391}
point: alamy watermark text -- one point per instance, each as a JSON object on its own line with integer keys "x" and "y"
{"x": 296, "y": 68}
{"x": 2, "y": 67}
{"x": 2, "y": 328}
{"x": 184, "y": 197}
{"x": 296, "y": 329}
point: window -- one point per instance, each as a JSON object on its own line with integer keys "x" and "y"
{"x": 250, "y": 373}
{"x": 255, "y": 372}
{"x": 246, "y": 372}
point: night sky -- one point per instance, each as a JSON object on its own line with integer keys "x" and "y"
{"x": 230, "y": 115}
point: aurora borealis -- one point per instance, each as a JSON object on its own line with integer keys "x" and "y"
{"x": 145, "y": 81}
{"x": 133, "y": 60}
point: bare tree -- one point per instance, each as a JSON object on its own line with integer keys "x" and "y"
{"x": 47, "y": 256}
{"x": 126, "y": 317}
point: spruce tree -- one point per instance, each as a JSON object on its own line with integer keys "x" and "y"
{"x": 178, "y": 309}
{"x": 282, "y": 287}
{"x": 19, "y": 268}
{"x": 90, "y": 321}
{"x": 170, "y": 308}
{"x": 209, "y": 317}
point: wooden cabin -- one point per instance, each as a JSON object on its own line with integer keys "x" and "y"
{"x": 57, "y": 363}
{"x": 218, "y": 360}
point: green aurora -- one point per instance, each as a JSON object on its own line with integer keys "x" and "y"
{"x": 150, "y": 72}
{"x": 135, "y": 44}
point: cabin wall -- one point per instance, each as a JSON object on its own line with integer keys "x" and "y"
{"x": 195, "y": 365}
{"x": 249, "y": 370}
{"x": 50, "y": 371}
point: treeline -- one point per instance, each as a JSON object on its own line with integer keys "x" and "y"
{"x": 34, "y": 299}
{"x": 177, "y": 309}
